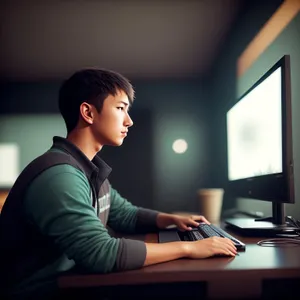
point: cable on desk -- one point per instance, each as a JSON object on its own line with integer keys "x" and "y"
{"x": 292, "y": 221}
{"x": 285, "y": 238}
{"x": 277, "y": 242}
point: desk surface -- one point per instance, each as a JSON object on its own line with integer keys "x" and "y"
{"x": 252, "y": 266}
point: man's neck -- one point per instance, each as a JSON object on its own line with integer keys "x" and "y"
{"x": 82, "y": 139}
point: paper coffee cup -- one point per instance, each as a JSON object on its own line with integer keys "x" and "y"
{"x": 210, "y": 203}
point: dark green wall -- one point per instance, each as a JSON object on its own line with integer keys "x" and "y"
{"x": 227, "y": 88}
{"x": 180, "y": 110}
{"x": 29, "y": 98}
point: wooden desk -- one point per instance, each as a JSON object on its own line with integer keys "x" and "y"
{"x": 241, "y": 276}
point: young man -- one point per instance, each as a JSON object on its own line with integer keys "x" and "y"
{"x": 58, "y": 220}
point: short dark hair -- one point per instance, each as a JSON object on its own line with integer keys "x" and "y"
{"x": 92, "y": 86}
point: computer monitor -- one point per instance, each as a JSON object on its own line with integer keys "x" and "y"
{"x": 259, "y": 146}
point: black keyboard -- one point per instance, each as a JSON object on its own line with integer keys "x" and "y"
{"x": 208, "y": 230}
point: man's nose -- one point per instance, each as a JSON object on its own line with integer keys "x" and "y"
{"x": 128, "y": 121}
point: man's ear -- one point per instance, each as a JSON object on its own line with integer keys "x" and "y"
{"x": 86, "y": 112}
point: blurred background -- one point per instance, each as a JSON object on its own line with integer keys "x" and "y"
{"x": 187, "y": 60}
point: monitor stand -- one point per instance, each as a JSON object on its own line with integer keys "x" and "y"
{"x": 271, "y": 226}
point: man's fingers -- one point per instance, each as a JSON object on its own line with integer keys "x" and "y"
{"x": 205, "y": 220}
{"x": 231, "y": 253}
{"x": 200, "y": 219}
{"x": 184, "y": 227}
{"x": 188, "y": 228}
{"x": 231, "y": 245}
{"x": 195, "y": 223}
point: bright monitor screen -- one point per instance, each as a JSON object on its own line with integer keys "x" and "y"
{"x": 259, "y": 142}
{"x": 254, "y": 131}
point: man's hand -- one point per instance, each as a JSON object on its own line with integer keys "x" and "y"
{"x": 183, "y": 223}
{"x": 210, "y": 247}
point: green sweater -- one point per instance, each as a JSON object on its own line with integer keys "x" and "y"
{"x": 58, "y": 203}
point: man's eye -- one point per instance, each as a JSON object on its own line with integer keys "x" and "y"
{"x": 120, "y": 108}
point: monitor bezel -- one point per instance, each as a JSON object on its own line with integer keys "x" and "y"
{"x": 277, "y": 187}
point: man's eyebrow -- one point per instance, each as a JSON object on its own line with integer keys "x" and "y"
{"x": 128, "y": 105}
{"x": 125, "y": 103}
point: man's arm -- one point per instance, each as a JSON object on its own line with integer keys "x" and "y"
{"x": 128, "y": 218}
{"x": 148, "y": 220}
{"x": 158, "y": 253}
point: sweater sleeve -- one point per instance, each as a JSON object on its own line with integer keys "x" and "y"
{"x": 128, "y": 218}
{"x": 58, "y": 204}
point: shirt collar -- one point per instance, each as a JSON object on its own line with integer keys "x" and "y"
{"x": 97, "y": 165}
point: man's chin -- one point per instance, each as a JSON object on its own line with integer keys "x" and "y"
{"x": 116, "y": 143}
